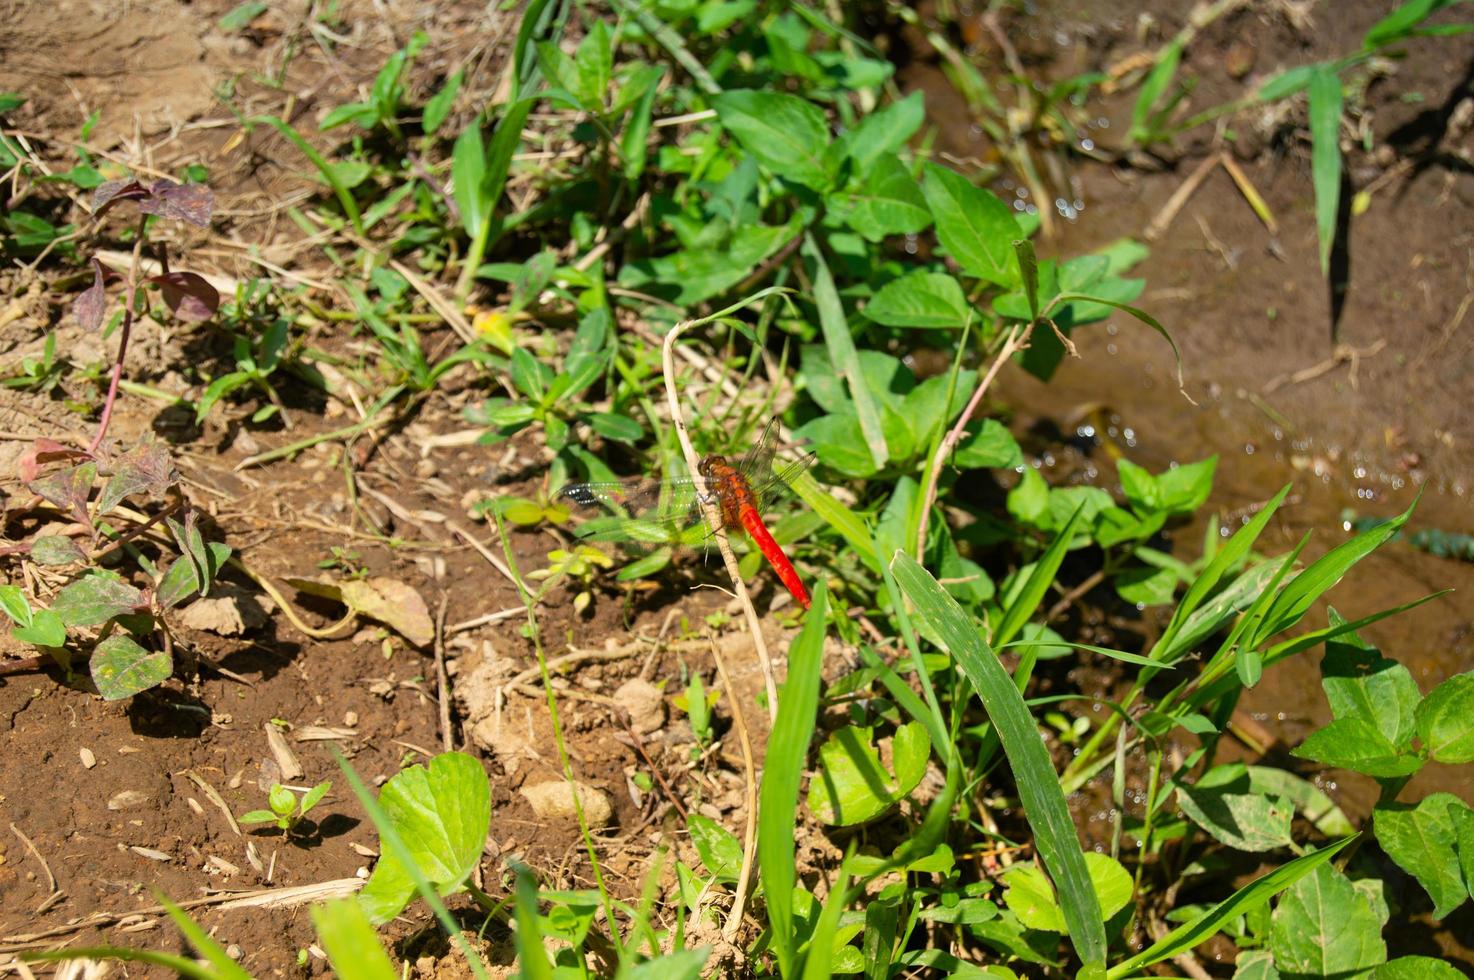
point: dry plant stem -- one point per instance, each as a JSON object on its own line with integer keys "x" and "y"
{"x": 327, "y": 632}
{"x": 714, "y": 515}
{"x": 1017, "y": 337}
{"x": 117, "y": 372}
{"x": 749, "y": 830}
{"x": 1163, "y": 219}
{"x": 442, "y": 678}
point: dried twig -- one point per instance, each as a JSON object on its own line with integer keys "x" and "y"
{"x": 52, "y": 892}
{"x": 713, "y": 514}
{"x": 1017, "y": 339}
{"x": 442, "y": 679}
{"x": 749, "y": 830}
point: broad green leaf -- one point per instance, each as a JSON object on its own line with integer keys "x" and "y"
{"x": 1224, "y": 804}
{"x": 783, "y": 768}
{"x": 96, "y": 598}
{"x": 884, "y": 131}
{"x": 889, "y": 202}
{"x": 1422, "y": 840}
{"x": 1038, "y": 784}
{"x": 1183, "y": 489}
{"x": 1324, "y": 927}
{"x": 594, "y": 64}
{"x": 1242, "y": 902}
{"x": 13, "y": 602}
{"x": 1325, "y": 157}
{"x": 46, "y": 630}
{"x": 1028, "y": 501}
{"x": 694, "y": 275}
{"x": 853, "y": 785}
{"x": 1417, "y": 968}
{"x": 1255, "y": 964}
{"x": 181, "y": 580}
{"x": 785, "y": 133}
{"x": 121, "y": 668}
{"x": 1361, "y": 683}
{"x": 442, "y": 813}
{"x": 1356, "y": 744}
{"x": 684, "y": 964}
{"x": 348, "y": 938}
{"x": 1145, "y": 586}
{"x": 146, "y": 469}
{"x": 974, "y": 226}
{"x": 988, "y": 446}
{"x": 839, "y": 442}
{"x": 1445, "y": 720}
{"x": 718, "y": 847}
{"x": 921, "y": 299}
{"x": 1312, "y": 803}
{"x": 1028, "y": 893}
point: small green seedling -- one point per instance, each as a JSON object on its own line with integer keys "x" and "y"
{"x": 286, "y": 810}
{"x": 581, "y": 566}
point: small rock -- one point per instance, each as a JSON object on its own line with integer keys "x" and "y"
{"x": 554, "y": 800}
{"x": 645, "y": 704}
{"x": 1240, "y": 59}
{"x": 88, "y": 759}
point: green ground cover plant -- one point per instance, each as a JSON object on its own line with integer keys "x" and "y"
{"x": 755, "y": 159}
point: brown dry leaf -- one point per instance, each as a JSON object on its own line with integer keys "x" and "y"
{"x": 385, "y": 600}
{"x": 392, "y": 603}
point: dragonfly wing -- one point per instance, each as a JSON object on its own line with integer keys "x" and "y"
{"x": 645, "y": 513}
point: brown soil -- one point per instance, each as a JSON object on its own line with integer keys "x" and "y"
{"x": 1363, "y": 440}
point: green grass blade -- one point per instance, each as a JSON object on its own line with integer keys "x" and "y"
{"x": 1038, "y": 784}
{"x": 783, "y": 767}
{"x": 851, "y": 526}
{"x": 1323, "y": 574}
{"x": 1028, "y": 267}
{"x": 532, "y": 957}
{"x": 348, "y": 938}
{"x": 1019, "y": 611}
{"x": 842, "y": 352}
{"x": 819, "y": 960}
{"x": 221, "y": 964}
{"x": 1152, "y": 89}
{"x": 1233, "y": 552}
{"x": 340, "y": 190}
{"x": 1140, "y": 314}
{"x": 182, "y": 965}
{"x": 1246, "y": 899}
{"x": 1325, "y": 157}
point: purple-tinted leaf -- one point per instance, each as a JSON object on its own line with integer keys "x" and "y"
{"x": 121, "y": 668}
{"x": 92, "y": 304}
{"x": 193, "y": 203}
{"x": 95, "y": 599}
{"x": 113, "y": 191}
{"x": 188, "y": 295}
{"x": 56, "y": 549}
{"x": 46, "y": 451}
{"x": 145, "y": 469}
{"x": 69, "y": 490}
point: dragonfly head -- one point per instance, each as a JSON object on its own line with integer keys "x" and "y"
{"x": 706, "y": 466}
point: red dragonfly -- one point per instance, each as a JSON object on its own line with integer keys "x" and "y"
{"x": 668, "y": 512}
